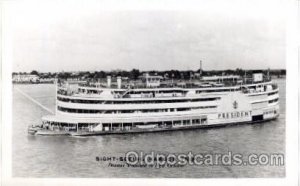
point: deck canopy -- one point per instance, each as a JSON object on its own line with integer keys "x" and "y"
{"x": 121, "y": 119}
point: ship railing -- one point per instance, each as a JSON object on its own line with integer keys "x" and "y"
{"x": 176, "y": 84}
{"x": 128, "y": 90}
{"x": 251, "y": 81}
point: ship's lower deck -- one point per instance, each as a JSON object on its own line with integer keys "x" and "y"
{"x": 47, "y": 132}
{"x": 61, "y": 125}
{"x": 164, "y": 129}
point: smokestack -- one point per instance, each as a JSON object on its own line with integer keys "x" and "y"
{"x": 108, "y": 81}
{"x": 119, "y": 82}
{"x": 200, "y": 71}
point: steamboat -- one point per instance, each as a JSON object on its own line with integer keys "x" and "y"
{"x": 151, "y": 104}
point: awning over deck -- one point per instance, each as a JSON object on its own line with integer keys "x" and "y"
{"x": 64, "y": 119}
{"x": 119, "y": 119}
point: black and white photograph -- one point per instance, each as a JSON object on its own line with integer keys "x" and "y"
{"x": 184, "y": 90}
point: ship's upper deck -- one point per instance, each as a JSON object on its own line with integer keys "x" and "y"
{"x": 156, "y": 86}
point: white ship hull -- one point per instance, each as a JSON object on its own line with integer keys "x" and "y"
{"x": 83, "y": 115}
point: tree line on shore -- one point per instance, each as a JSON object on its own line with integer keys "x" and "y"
{"x": 135, "y": 73}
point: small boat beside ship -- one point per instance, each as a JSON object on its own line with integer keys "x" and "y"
{"x": 152, "y": 105}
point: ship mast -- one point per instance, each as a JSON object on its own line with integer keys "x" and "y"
{"x": 268, "y": 74}
{"x": 56, "y": 88}
{"x": 200, "y": 70}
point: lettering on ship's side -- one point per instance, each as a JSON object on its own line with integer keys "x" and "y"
{"x": 230, "y": 115}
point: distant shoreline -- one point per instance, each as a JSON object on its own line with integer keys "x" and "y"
{"x": 27, "y": 83}
{"x": 30, "y": 83}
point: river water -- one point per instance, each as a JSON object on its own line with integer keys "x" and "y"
{"x": 41, "y": 156}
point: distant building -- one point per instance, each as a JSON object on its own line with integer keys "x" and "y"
{"x": 151, "y": 81}
{"x": 197, "y": 75}
{"x": 47, "y": 80}
{"x": 166, "y": 76}
{"x": 25, "y": 78}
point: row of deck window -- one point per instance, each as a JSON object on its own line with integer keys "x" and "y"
{"x": 122, "y": 126}
{"x": 155, "y": 92}
{"x": 136, "y": 102}
{"x": 269, "y": 94}
{"x": 270, "y": 112}
{"x": 90, "y": 111}
{"x": 162, "y": 124}
{"x": 273, "y": 100}
{"x": 216, "y": 90}
{"x": 272, "y": 93}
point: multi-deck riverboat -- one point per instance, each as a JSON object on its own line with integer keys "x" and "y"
{"x": 152, "y": 104}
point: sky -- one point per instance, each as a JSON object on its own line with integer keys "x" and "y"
{"x": 78, "y": 35}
